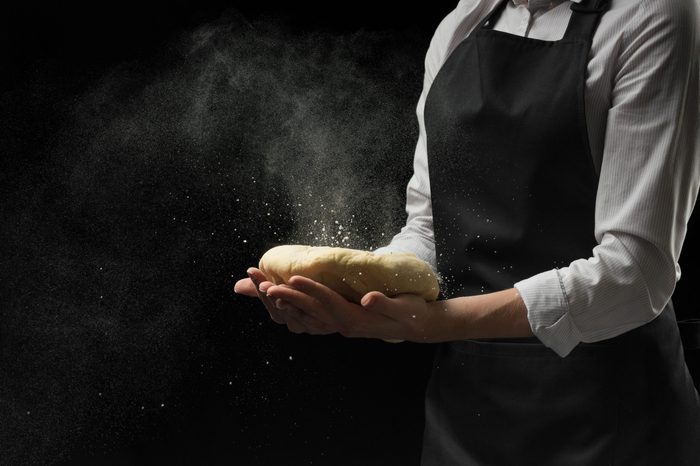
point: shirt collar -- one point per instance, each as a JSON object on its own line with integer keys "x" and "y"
{"x": 534, "y": 5}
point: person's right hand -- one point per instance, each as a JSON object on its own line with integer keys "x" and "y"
{"x": 251, "y": 287}
{"x": 280, "y": 311}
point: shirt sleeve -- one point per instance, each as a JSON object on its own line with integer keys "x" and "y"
{"x": 417, "y": 234}
{"x": 647, "y": 189}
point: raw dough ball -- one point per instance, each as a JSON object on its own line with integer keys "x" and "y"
{"x": 352, "y": 272}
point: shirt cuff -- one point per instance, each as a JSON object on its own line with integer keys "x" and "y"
{"x": 386, "y": 250}
{"x": 410, "y": 246}
{"x": 548, "y": 311}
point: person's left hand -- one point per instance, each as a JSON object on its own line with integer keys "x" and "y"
{"x": 404, "y": 317}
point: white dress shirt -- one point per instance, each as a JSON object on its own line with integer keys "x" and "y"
{"x": 643, "y": 117}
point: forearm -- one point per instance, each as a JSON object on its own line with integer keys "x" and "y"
{"x": 501, "y": 314}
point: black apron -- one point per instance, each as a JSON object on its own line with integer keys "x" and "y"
{"x": 513, "y": 192}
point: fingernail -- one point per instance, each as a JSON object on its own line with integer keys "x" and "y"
{"x": 367, "y": 302}
{"x": 252, "y": 277}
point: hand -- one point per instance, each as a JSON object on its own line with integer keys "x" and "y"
{"x": 280, "y": 312}
{"x": 306, "y": 306}
{"x": 404, "y": 317}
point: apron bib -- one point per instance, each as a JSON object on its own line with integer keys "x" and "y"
{"x": 513, "y": 192}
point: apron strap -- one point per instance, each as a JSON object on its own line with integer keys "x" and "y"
{"x": 584, "y": 19}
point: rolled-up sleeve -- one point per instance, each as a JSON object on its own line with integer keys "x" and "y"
{"x": 648, "y": 186}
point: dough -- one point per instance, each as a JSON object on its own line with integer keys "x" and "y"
{"x": 352, "y": 273}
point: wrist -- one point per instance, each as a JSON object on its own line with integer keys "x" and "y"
{"x": 501, "y": 314}
{"x": 448, "y": 320}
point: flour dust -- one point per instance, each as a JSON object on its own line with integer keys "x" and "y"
{"x": 165, "y": 181}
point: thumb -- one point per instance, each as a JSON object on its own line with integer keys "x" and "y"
{"x": 373, "y": 299}
{"x": 246, "y": 287}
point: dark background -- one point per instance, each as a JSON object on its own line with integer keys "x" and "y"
{"x": 121, "y": 339}
{"x": 122, "y": 234}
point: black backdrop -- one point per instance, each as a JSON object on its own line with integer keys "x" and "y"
{"x": 122, "y": 341}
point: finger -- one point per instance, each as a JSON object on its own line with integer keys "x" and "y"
{"x": 264, "y": 286}
{"x": 318, "y": 291}
{"x": 378, "y": 302}
{"x": 312, "y": 324}
{"x": 275, "y": 314}
{"x": 285, "y": 307}
{"x": 245, "y": 286}
{"x": 393, "y": 308}
{"x": 259, "y": 278}
{"x": 256, "y": 275}
{"x": 256, "y": 281}
{"x": 372, "y": 299}
{"x": 297, "y": 299}
{"x": 294, "y": 325}
{"x": 257, "y": 272}
{"x": 304, "y": 317}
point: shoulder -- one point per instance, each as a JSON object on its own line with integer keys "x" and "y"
{"x": 674, "y": 20}
{"x": 648, "y": 32}
{"x": 452, "y": 29}
{"x": 675, "y": 11}
{"x": 656, "y": 59}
